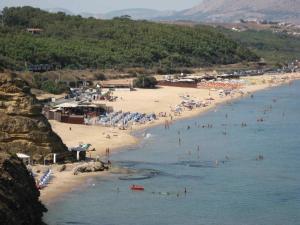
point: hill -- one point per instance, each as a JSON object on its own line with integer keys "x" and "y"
{"x": 275, "y": 48}
{"x": 138, "y": 13}
{"x": 232, "y": 10}
{"x": 75, "y": 42}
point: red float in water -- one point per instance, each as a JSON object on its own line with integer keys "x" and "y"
{"x": 137, "y": 188}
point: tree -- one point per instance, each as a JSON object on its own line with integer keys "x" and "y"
{"x": 54, "y": 87}
{"x": 100, "y": 76}
{"x": 145, "y": 82}
{"x": 79, "y": 43}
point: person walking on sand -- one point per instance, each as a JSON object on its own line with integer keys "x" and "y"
{"x": 107, "y": 151}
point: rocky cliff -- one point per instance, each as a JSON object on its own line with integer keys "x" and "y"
{"x": 19, "y": 198}
{"x": 23, "y": 129}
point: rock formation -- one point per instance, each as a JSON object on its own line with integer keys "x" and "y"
{"x": 23, "y": 129}
{"x": 19, "y": 198}
{"x": 90, "y": 167}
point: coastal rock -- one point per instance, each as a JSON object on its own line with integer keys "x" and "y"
{"x": 19, "y": 197}
{"x": 90, "y": 167}
{"x": 23, "y": 128}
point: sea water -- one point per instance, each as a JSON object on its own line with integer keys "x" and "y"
{"x": 225, "y": 184}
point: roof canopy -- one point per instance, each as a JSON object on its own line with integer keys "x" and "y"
{"x": 75, "y": 105}
{"x": 23, "y": 156}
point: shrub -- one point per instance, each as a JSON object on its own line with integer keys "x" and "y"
{"x": 100, "y": 76}
{"x": 54, "y": 87}
{"x": 145, "y": 82}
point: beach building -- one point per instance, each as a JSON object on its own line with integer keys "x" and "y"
{"x": 75, "y": 112}
{"x": 34, "y": 30}
{"x": 183, "y": 82}
{"x": 117, "y": 85}
{"x": 80, "y": 151}
{"x": 42, "y": 67}
{"x": 25, "y": 158}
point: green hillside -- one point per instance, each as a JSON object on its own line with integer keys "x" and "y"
{"x": 75, "y": 42}
{"x": 276, "y": 48}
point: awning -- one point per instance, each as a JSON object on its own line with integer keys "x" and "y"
{"x": 22, "y": 156}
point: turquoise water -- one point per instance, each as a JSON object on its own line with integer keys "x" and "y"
{"x": 225, "y": 183}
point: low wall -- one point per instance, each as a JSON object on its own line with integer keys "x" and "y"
{"x": 178, "y": 84}
{"x": 72, "y": 119}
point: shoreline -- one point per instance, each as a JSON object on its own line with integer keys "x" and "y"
{"x": 64, "y": 182}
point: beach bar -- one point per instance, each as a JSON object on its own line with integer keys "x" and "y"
{"x": 117, "y": 85}
{"x": 75, "y": 112}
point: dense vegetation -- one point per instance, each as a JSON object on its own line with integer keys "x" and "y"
{"x": 145, "y": 82}
{"x": 43, "y": 83}
{"x": 276, "y": 48}
{"x": 75, "y": 42}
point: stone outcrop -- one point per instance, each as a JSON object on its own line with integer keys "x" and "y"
{"x": 19, "y": 198}
{"x": 90, "y": 167}
{"x": 23, "y": 129}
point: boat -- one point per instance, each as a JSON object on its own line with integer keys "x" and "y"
{"x": 136, "y": 177}
{"x": 137, "y": 188}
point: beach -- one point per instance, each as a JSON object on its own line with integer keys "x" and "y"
{"x": 225, "y": 180}
{"x": 162, "y": 99}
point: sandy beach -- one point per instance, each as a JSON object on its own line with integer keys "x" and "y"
{"x": 162, "y": 99}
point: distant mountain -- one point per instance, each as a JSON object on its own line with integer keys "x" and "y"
{"x": 87, "y": 15}
{"x": 135, "y": 13}
{"x": 68, "y": 12}
{"x": 213, "y": 11}
{"x": 56, "y": 10}
{"x": 139, "y": 13}
{"x": 233, "y": 10}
